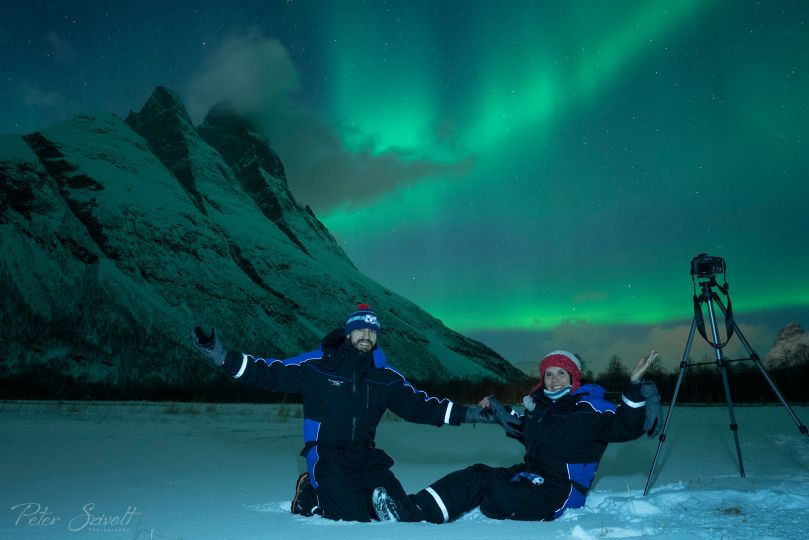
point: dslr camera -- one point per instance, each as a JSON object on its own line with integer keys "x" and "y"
{"x": 703, "y": 265}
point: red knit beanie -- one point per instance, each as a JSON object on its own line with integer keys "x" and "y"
{"x": 565, "y": 360}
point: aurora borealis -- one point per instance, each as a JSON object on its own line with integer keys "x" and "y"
{"x": 535, "y": 174}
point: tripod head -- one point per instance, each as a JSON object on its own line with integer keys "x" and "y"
{"x": 710, "y": 282}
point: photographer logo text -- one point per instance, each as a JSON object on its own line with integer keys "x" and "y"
{"x": 88, "y": 519}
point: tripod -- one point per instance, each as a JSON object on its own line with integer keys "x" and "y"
{"x": 709, "y": 297}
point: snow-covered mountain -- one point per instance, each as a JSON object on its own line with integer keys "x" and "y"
{"x": 791, "y": 347}
{"x": 117, "y": 237}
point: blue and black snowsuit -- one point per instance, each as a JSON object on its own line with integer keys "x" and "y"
{"x": 564, "y": 441}
{"x": 345, "y": 393}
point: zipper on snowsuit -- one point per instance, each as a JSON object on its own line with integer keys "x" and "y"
{"x": 354, "y": 409}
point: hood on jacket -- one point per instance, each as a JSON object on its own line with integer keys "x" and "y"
{"x": 337, "y": 338}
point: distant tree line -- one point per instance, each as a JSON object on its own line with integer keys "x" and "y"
{"x": 701, "y": 384}
{"x": 702, "y": 381}
{"x": 39, "y": 382}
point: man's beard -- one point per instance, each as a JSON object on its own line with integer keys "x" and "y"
{"x": 363, "y": 345}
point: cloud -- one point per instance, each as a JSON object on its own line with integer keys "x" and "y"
{"x": 61, "y": 50}
{"x": 257, "y": 77}
{"x": 251, "y": 72}
{"x": 41, "y": 98}
{"x": 323, "y": 173}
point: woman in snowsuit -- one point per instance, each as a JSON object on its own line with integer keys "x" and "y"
{"x": 565, "y": 429}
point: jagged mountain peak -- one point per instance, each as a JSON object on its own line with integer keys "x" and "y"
{"x": 236, "y": 138}
{"x": 164, "y": 122}
{"x": 163, "y": 105}
{"x": 791, "y": 332}
{"x": 122, "y": 236}
{"x": 224, "y": 117}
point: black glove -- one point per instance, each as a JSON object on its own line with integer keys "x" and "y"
{"x": 654, "y": 408}
{"x": 210, "y": 346}
{"x": 479, "y": 415}
{"x": 509, "y": 422}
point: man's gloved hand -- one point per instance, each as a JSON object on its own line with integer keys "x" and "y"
{"x": 509, "y": 422}
{"x": 479, "y": 415}
{"x": 654, "y": 408}
{"x": 209, "y": 345}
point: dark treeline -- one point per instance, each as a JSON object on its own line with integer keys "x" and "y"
{"x": 43, "y": 384}
{"x": 701, "y": 384}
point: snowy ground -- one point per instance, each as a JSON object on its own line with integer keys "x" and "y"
{"x": 194, "y": 471}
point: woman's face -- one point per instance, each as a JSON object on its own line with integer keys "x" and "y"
{"x": 556, "y": 378}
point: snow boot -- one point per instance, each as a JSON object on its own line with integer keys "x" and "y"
{"x": 305, "y": 501}
{"x": 387, "y": 509}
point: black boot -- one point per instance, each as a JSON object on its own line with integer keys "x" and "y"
{"x": 305, "y": 501}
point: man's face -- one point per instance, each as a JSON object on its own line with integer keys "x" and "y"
{"x": 363, "y": 339}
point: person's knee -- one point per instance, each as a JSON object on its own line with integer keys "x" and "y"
{"x": 481, "y": 468}
{"x": 492, "y": 508}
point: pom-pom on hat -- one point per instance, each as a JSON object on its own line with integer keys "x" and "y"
{"x": 565, "y": 360}
{"x": 362, "y": 318}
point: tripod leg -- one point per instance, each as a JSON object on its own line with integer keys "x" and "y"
{"x": 662, "y": 437}
{"x": 720, "y": 361}
{"x": 734, "y": 427}
{"x": 760, "y": 366}
{"x": 801, "y": 427}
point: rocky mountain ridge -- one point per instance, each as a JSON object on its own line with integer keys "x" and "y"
{"x": 117, "y": 237}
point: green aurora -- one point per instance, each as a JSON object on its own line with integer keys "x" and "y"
{"x": 610, "y": 145}
{"x": 535, "y": 174}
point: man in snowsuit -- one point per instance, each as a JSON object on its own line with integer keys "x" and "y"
{"x": 565, "y": 429}
{"x": 347, "y": 385}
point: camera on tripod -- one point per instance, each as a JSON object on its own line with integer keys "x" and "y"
{"x": 703, "y": 265}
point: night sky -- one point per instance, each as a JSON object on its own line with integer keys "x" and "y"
{"x": 537, "y": 176}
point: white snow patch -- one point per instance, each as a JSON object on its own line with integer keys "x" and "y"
{"x": 227, "y": 472}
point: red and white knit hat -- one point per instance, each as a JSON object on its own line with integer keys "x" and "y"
{"x": 565, "y": 360}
